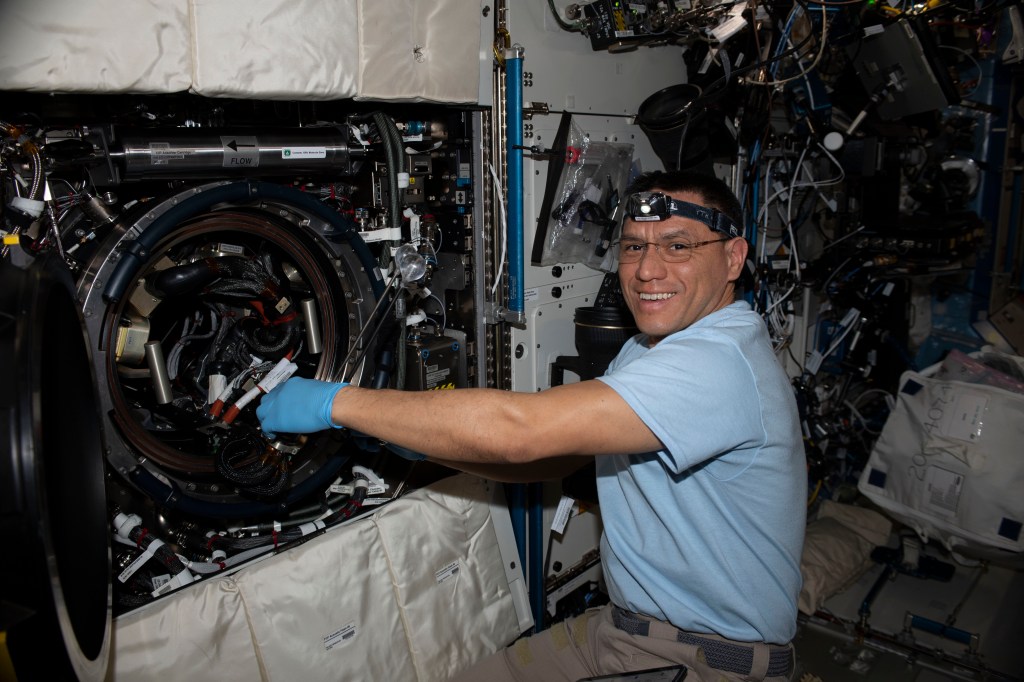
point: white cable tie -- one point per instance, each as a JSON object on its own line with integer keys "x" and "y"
{"x": 415, "y": 317}
{"x": 311, "y": 527}
{"x": 414, "y": 225}
{"x": 282, "y": 371}
{"x": 146, "y": 555}
{"x": 247, "y": 398}
{"x": 369, "y": 475}
{"x": 125, "y": 523}
{"x": 217, "y": 385}
{"x": 179, "y": 580}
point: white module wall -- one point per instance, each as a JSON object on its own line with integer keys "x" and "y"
{"x": 603, "y": 91}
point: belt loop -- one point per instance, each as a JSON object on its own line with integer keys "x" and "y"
{"x": 759, "y": 666}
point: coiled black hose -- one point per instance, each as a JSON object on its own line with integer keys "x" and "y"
{"x": 239, "y": 448}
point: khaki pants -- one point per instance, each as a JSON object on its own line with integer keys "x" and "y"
{"x": 592, "y": 645}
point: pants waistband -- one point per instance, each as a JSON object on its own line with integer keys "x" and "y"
{"x": 725, "y": 656}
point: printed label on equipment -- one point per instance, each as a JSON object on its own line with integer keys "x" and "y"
{"x": 240, "y": 151}
{"x": 230, "y": 248}
{"x": 449, "y": 571}
{"x": 944, "y": 488}
{"x": 160, "y": 153}
{"x": 340, "y": 636}
{"x": 966, "y": 418}
{"x": 531, "y": 295}
{"x": 304, "y": 153}
{"x": 562, "y": 514}
{"x": 438, "y": 376}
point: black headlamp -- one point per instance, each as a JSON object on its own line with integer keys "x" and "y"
{"x": 653, "y": 206}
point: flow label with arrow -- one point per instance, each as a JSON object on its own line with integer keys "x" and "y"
{"x": 240, "y": 151}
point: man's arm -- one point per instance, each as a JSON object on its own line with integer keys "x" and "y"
{"x": 493, "y": 426}
{"x": 551, "y": 469}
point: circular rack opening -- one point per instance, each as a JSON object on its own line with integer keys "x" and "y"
{"x": 220, "y": 299}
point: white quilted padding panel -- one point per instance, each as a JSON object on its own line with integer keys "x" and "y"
{"x": 416, "y": 51}
{"x": 275, "y": 49}
{"x": 96, "y": 46}
{"x": 415, "y": 591}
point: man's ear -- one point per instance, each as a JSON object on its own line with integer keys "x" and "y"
{"x": 736, "y": 250}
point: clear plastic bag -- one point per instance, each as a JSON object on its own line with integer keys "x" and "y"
{"x": 585, "y": 216}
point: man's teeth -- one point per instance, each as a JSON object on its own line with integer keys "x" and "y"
{"x": 655, "y": 297}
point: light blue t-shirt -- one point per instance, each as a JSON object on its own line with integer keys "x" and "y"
{"x": 707, "y": 533}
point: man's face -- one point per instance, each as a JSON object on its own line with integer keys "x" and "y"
{"x": 667, "y": 297}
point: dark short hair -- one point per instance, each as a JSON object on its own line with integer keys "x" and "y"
{"x": 715, "y": 193}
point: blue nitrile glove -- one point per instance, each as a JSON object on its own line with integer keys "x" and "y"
{"x": 298, "y": 406}
{"x": 408, "y": 454}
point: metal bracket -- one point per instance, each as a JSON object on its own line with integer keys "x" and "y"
{"x": 496, "y": 313}
{"x": 536, "y": 109}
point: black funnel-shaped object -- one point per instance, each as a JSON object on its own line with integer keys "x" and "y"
{"x": 600, "y": 333}
{"x": 676, "y": 123}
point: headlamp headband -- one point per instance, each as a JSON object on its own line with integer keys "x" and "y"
{"x": 654, "y": 206}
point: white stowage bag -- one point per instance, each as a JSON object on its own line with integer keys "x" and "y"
{"x": 950, "y": 462}
{"x": 96, "y": 46}
{"x": 415, "y": 591}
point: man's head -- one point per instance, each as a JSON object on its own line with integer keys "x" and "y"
{"x": 699, "y": 253}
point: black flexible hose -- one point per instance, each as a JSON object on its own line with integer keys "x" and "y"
{"x": 393, "y": 153}
{"x": 251, "y": 474}
{"x": 137, "y": 252}
{"x": 164, "y": 554}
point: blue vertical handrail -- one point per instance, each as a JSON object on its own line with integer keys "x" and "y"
{"x": 514, "y": 148}
{"x": 538, "y": 592}
{"x": 515, "y": 494}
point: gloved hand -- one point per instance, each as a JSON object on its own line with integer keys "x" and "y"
{"x": 298, "y": 406}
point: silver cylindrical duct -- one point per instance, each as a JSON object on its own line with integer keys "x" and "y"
{"x": 215, "y": 152}
{"x": 314, "y": 343}
{"x": 158, "y": 372}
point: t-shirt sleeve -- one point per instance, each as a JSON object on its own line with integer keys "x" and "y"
{"x": 696, "y": 394}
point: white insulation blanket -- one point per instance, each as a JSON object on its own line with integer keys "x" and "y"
{"x": 97, "y": 46}
{"x": 271, "y": 49}
{"x": 415, "y": 591}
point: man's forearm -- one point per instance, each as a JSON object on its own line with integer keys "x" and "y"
{"x": 464, "y": 425}
{"x": 490, "y": 426}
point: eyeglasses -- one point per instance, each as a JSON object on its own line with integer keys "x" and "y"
{"x": 670, "y": 250}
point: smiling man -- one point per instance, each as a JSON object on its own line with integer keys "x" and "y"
{"x": 700, "y": 466}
